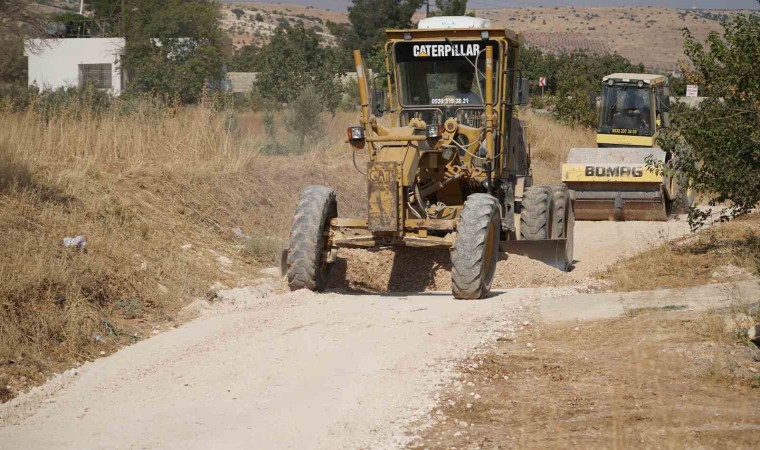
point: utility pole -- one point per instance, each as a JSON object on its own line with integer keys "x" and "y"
{"x": 81, "y": 7}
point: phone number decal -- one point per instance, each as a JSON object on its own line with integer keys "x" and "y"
{"x": 624, "y": 131}
{"x": 450, "y": 101}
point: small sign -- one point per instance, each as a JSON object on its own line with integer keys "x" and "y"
{"x": 692, "y": 90}
{"x": 542, "y": 81}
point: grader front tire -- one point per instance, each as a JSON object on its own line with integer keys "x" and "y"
{"x": 307, "y": 265}
{"x": 476, "y": 249}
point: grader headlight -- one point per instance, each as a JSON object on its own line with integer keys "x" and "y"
{"x": 433, "y": 131}
{"x": 355, "y": 134}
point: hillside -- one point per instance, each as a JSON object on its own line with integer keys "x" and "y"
{"x": 631, "y": 32}
{"x": 649, "y": 35}
{"x": 255, "y": 22}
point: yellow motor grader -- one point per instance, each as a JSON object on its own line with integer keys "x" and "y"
{"x": 448, "y": 168}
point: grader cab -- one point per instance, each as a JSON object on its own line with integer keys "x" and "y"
{"x": 448, "y": 167}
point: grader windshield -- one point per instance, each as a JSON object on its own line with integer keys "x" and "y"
{"x": 442, "y": 74}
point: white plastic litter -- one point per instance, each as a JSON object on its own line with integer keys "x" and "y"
{"x": 79, "y": 242}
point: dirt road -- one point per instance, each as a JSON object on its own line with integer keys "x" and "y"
{"x": 294, "y": 371}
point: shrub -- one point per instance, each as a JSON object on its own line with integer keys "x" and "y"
{"x": 580, "y": 74}
{"x": 295, "y": 60}
{"x": 717, "y": 144}
{"x": 302, "y": 116}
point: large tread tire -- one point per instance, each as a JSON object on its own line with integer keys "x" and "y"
{"x": 307, "y": 266}
{"x": 563, "y": 221}
{"x": 560, "y": 204}
{"x": 536, "y": 213}
{"x": 476, "y": 249}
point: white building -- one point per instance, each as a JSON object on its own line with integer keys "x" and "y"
{"x": 57, "y": 63}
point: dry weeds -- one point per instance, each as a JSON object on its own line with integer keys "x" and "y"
{"x": 725, "y": 252}
{"x": 646, "y": 381}
{"x": 158, "y": 193}
{"x": 549, "y": 144}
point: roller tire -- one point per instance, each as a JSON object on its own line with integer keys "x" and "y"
{"x": 536, "y": 213}
{"x": 476, "y": 249}
{"x": 307, "y": 268}
{"x": 563, "y": 220}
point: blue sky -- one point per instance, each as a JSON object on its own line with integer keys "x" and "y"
{"x": 339, "y": 5}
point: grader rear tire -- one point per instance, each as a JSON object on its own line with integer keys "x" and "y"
{"x": 307, "y": 265}
{"x": 563, "y": 221}
{"x": 476, "y": 249}
{"x": 560, "y": 195}
{"x": 536, "y": 212}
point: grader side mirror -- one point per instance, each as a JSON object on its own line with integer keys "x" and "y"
{"x": 523, "y": 91}
{"x": 378, "y": 97}
{"x": 378, "y": 102}
{"x": 592, "y": 100}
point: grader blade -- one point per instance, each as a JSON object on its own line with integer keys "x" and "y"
{"x": 552, "y": 252}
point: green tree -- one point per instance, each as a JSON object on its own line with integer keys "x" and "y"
{"x": 245, "y": 59}
{"x": 108, "y": 15}
{"x": 717, "y": 144}
{"x": 535, "y": 64}
{"x": 295, "y": 59}
{"x": 72, "y": 25}
{"x": 677, "y": 85}
{"x": 345, "y": 37}
{"x": 19, "y": 19}
{"x": 13, "y": 66}
{"x": 302, "y": 116}
{"x": 21, "y": 12}
{"x": 368, "y": 21}
{"x": 174, "y": 47}
{"x": 450, "y": 7}
{"x": 579, "y": 75}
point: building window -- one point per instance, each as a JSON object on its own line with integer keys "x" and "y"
{"x": 97, "y": 75}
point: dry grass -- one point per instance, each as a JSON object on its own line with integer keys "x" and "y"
{"x": 139, "y": 186}
{"x": 720, "y": 253}
{"x": 158, "y": 193}
{"x": 647, "y": 381}
{"x": 729, "y": 325}
{"x": 549, "y": 144}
